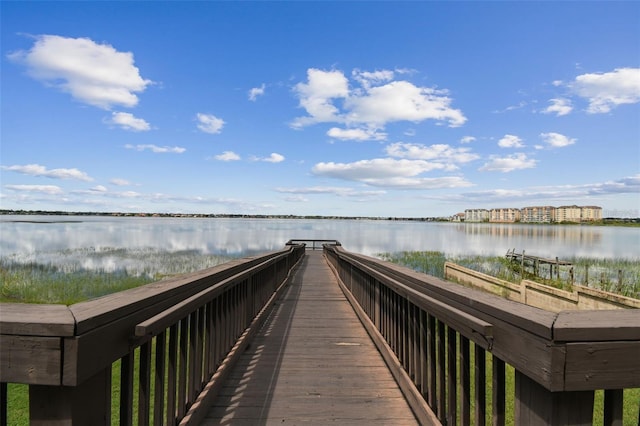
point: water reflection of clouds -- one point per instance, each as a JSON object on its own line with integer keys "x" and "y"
{"x": 238, "y": 237}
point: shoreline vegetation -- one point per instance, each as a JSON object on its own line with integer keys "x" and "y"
{"x": 618, "y": 276}
{"x": 71, "y": 276}
{"x": 75, "y": 283}
{"x": 608, "y": 221}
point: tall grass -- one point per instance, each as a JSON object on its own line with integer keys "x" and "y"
{"x": 620, "y": 276}
{"x": 71, "y": 276}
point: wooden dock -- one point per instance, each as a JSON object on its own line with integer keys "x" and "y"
{"x": 311, "y": 363}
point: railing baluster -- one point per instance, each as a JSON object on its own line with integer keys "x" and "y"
{"x": 192, "y": 363}
{"x": 465, "y": 381}
{"x": 182, "y": 376}
{"x": 3, "y": 403}
{"x": 499, "y": 392}
{"x": 144, "y": 384}
{"x": 613, "y": 407}
{"x": 406, "y": 333}
{"x": 200, "y": 380}
{"x": 210, "y": 346}
{"x": 126, "y": 389}
{"x": 172, "y": 374}
{"x": 452, "y": 379}
{"x": 423, "y": 360}
{"x": 431, "y": 357}
{"x": 158, "y": 403}
{"x": 442, "y": 374}
{"x": 416, "y": 345}
{"x": 480, "y": 359}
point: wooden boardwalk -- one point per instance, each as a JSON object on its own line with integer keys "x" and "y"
{"x": 312, "y": 363}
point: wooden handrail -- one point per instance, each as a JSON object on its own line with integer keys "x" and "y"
{"x": 434, "y": 331}
{"x": 163, "y": 320}
{"x": 558, "y": 359}
{"x": 474, "y": 328}
{"x": 192, "y": 323}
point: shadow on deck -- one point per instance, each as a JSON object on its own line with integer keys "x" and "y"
{"x": 312, "y": 362}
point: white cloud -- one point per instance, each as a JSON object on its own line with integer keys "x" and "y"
{"x": 316, "y": 96}
{"x": 273, "y": 158}
{"x": 365, "y": 170}
{"x": 127, "y": 121}
{"x": 508, "y": 164}
{"x": 421, "y": 182}
{"x": 606, "y": 91}
{"x": 38, "y": 170}
{"x": 128, "y": 194}
{"x": 157, "y": 149}
{"x": 296, "y": 199}
{"x": 227, "y": 156}
{"x": 628, "y": 185}
{"x": 99, "y": 188}
{"x": 559, "y": 107}
{"x": 94, "y": 74}
{"x": 45, "y": 189}
{"x": 390, "y": 173}
{"x": 119, "y": 182}
{"x": 331, "y": 190}
{"x": 467, "y": 139}
{"x": 367, "y": 78}
{"x": 625, "y": 185}
{"x": 356, "y": 134}
{"x": 510, "y": 141}
{"x": 209, "y": 123}
{"x": 557, "y": 140}
{"x": 255, "y": 92}
{"x": 401, "y": 101}
{"x": 438, "y": 152}
{"x": 377, "y": 101}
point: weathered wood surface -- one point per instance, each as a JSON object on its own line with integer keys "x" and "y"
{"x": 311, "y": 363}
{"x": 27, "y": 319}
{"x": 585, "y": 326}
{"x": 30, "y": 359}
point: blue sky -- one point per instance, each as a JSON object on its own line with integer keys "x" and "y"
{"x": 405, "y": 109}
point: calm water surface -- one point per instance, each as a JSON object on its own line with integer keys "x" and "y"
{"x": 239, "y": 237}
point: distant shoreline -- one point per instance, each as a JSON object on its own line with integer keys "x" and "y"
{"x": 609, "y": 221}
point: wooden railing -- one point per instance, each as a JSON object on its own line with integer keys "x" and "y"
{"x": 312, "y": 244}
{"x": 454, "y": 349}
{"x": 157, "y": 346}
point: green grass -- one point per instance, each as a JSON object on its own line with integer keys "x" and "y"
{"x": 71, "y": 276}
{"x": 18, "y": 394}
{"x": 620, "y": 276}
{"x": 47, "y": 279}
{"x": 48, "y": 284}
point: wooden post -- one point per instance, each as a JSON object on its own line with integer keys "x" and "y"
{"x": 619, "y": 279}
{"x": 86, "y": 404}
{"x": 571, "y": 277}
{"x": 586, "y": 275}
{"x": 536, "y": 405}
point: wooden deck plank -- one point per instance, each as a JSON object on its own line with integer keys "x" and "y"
{"x": 312, "y": 362}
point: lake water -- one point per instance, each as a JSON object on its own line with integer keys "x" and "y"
{"x": 239, "y": 237}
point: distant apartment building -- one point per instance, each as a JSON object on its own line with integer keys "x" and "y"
{"x": 458, "y": 217}
{"x": 568, "y": 214}
{"x": 591, "y": 213}
{"x": 538, "y": 214}
{"x": 504, "y": 215}
{"x": 476, "y": 215}
{"x": 535, "y": 214}
{"x": 578, "y": 213}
